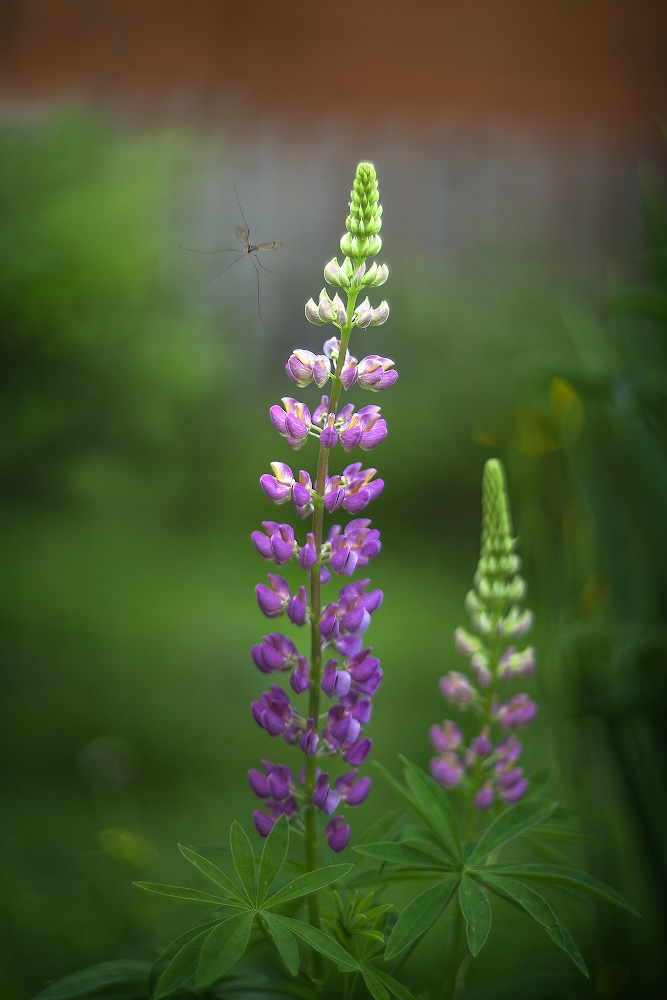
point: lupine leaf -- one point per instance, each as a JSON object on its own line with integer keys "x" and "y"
{"x": 510, "y": 824}
{"x": 451, "y": 830}
{"x": 401, "y": 853}
{"x": 425, "y": 810}
{"x": 85, "y": 981}
{"x": 173, "y": 949}
{"x": 285, "y": 942}
{"x": 180, "y": 892}
{"x": 530, "y": 901}
{"x": 318, "y": 940}
{"x": 273, "y": 856}
{"x": 398, "y": 989}
{"x": 381, "y": 827}
{"x": 211, "y": 871}
{"x": 539, "y": 781}
{"x": 571, "y": 878}
{"x": 413, "y": 833}
{"x": 572, "y": 950}
{"x": 244, "y": 860}
{"x": 475, "y": 908}
{"x": 310, "y": 882}
{"x": 564, "y": 833}
{"x": 374, "y": 984}
{"x": 545, "y": 850}
{"x": 182, "y": 966}
{"x": 418, "y": 916}
{"x": 223, "y": 948}
{"x": 435, "y": 815}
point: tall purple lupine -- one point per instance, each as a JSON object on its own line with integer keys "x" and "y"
{"x": 488, "y": 770}
{"x": 340, "y": 667}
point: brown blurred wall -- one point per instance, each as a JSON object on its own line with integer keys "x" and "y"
{"x": 568, "y": 64}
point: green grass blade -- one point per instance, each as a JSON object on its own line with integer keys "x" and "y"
{"x": 511, "y": 823}
{"x": 310, "y": 882}
{"x": 418, "y": 916}
{"x": 244, "y": 860}
{"x": 477, "y": 912}
{"x": 223, "y": 947}
{"x": 273, "y": 856}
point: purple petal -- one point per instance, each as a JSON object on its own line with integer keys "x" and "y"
{"x": 278, "y": 492}
{"x": 263, "y": 824}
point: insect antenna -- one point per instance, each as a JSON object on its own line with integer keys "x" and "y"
{"x": 241, "y": 210}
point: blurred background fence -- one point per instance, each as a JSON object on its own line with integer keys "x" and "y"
{"x": 529, "y": 311}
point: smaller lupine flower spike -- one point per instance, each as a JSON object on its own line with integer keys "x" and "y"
{"x": 446, "y": 737}
{"x": 351, "y": 791}
{"x": 293, "y": 422}
{"x": 484, "y": 797}
{"x": 517, "y": 712}
{"x": 296, "y": 607}
{"x": 308, "y": 553}
{"x": 447, "y": 769}
{"x": 456, "y": 687}
{"x": 381, "y": 314}
{"x": 278, "y": 487}
{"x": 273, "y": 711}
{"x": 275, "y": 652}
{"x": 277, "y": 543}
{"x": 365, "y": 218}
{"x": 374, "y": 373}
{"x": 308, "y": 742}
{"x": 273, "y": 599}
{"x": 305, "y": 367}
{"x": 337, "y": 833}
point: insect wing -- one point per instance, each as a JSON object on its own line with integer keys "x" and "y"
{"x": 243, "y": 236}
{"x": 268, "y": 246}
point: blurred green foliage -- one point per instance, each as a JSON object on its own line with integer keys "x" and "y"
{"x": 132, "y": 443}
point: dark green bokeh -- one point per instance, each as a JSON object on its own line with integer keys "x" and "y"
{"x": 132, "y": 443}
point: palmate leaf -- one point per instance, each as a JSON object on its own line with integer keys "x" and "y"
{"x": 310, "y": 882}
{"x": 164, "y": 959}
{"x": 273, "y": 856}
{"x": 427, "y": 807}
{"x": 182, "y": 967}
{"x": 285, "y": 942}
{"x": 244, "y": 860}
{"x": 223, "y": 947}
{"x": 320, "y": 941}
{"x": 450, "y": 831}
{"x": 477, "y": 912}
{"x": 399, "y": 853}
{"x": 418, "y": 916}
{"x": 212, "y": 871}
{"x": 181, "y": 892}
{"x": 122, "y": 971}
{"x": 560, "y": 875}
{"x": 511, "y": 823}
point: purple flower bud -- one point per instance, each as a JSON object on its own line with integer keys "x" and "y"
{"x": 359, "y": 490}
{"x": 325, "y": 308}
{"x": 484, "y": 797}
{"x": 351, "y": 791}
{"x": 516, "y": 712}
{"x": 343, "y": 727}
{"x": 348, "y": 645}
{"x": 331, "y": 348}
{"x": 312, "y": 314}
{"x": 456, "y": 687}
{"x": 335, "y": 683}
{"x": 517, "y": 624}
{"x": 273, "y": 600}
{"x": 329, "y": 437}
{"x": 481, "y": 745}
{"x": 351, "y": 436}
{"x": 508, "y": 751}
{"x": 513, "y": 664}
{"x": 362, "y": 665}
{"x": 339, "y": 311}
{"x": 299, "y": 679}
{"x": 275, "y": 652}
{"x": 258, "y": 783}
{"x": 337, "y": 833}
{"x": 349, "y": 374}
{"x": 447, "y": 770}
{"x": 507, "y": 778}
{"x": 332, "y": 272}
{"x": 263, "y": 824}
{"x": 273, "y": 711}
{"x": 446, "y": 737}
{"x": 308, "y": 553}
{"x": 334, "y": 493}
{"x": 296, "y": 607}
{"x": 358, "y": 752}
{"x": 516, "y": 792}
{"x": 310, "y": 739}
{"x": 300, "y": 367}
{"x": 277, "y": 543}
{"x": 325, "y": 798}
{"x": 380, "y": 315}
{"x": 363, "y": 314}
{"x": 373, "y": 373}
{"x": 479, "y": 662}
{"x": 300, "y": 495}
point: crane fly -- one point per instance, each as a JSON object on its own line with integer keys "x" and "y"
{"x": 247, "y": 249}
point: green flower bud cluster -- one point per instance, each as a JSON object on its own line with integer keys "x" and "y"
{"x": 365, "y": 219}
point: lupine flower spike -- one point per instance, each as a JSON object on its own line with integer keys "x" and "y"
{"x": 351, "y": 675}
{"x": 487, "y": 770}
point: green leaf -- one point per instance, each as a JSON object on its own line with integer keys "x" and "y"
{"x": 510, "y": 824}
{"x": 244, "y": 860}
{"x": 414, "y": 833}
{"x": 318, "y": 940}
{"x": 529, "y": 900}
{"x": 426, "y": 810}
{"x": 572, "y": 950}
{"x": 450, "y": 832}
{"x": 418, "y": 916}
{"x": 85, "y": 981}
{"x": 401, "y": 854}
{"x": 173, "y": 949}
{"x": 539, "y": 781}
{"x": 310, "y": 882}
{"x": 180, "y": 892}
{"x": 475, "y": 908}
{"x": 285, "y": 942}
{"x": 211, "y": 871}
{"x": 273, "y": 856}
{"x": 561, "y": 875}
{"x": 398, "y": 989}
{"x": 380, "y": 829}
{"x": 182, "y": 966}
{"x": 374, "y": 984}
{"x": 223, "y": 948}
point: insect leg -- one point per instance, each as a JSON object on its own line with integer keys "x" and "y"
{"x": 225, "y": 269}
{"x": 241, "y": 210}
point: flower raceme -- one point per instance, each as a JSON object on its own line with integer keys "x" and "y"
{"x": 351, "y": 674}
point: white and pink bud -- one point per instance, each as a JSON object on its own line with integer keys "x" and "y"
{"x": 325, "y": 308}
{"x": 380, "y": 315}
{"x": 339, "y": 311}
{"x": 380, "y": 277}
{"x": 363, "y": 314}
{"x": 312, "y": 313}
{"x": 465, "y": 643}
{"x": 332, "y": 272}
